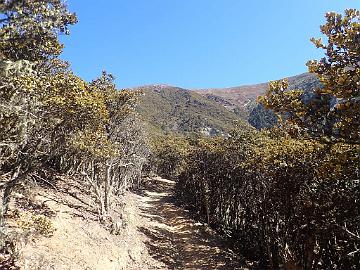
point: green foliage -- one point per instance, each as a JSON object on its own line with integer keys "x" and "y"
{"x": 332, "y": 113}
{"x": 289, "y": 196}
{"x": 36, "y": 224}
{"x": 29, "y": 29}
{"x": 278, "y": 197}
{"x": 178, "y": 111}
{"x": 261, "y": 117}
{"x": 169, "y": 154}
{"x": 49, "y": 117}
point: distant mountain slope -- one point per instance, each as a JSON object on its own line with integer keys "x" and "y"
{"x": 172, "y": 109}
{"x": 259, "y": 117}
{"x": 244, "y": 96}
{"x": 240, "y": 95}
{"x": 242, "y": 99}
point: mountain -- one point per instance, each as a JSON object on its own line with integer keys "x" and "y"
{"x": 260, "y": 117}
{"x": 213, "y": 111}
{"x": 240, "y": 95}
{"x": 243, "y": 98}
{"x": 171, "y": 109}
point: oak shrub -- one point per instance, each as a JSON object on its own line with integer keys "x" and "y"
{"x": 289, "y": 196}
{"x": 50, "y": 119}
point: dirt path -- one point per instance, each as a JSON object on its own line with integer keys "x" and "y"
{"x": 157, "y": 234}
{"x": 177, "y": 240}
{"x": 80, "y": 241}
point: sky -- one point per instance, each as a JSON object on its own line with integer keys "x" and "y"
{"x": 195, "y": 43}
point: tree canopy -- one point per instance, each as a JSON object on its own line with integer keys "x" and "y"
{"x": 332, "y": 111}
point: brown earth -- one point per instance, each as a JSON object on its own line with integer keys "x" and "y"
{"x": 80, "y": 241}
{"x": 155, "y": 234}
{"x": 176, "y": 239}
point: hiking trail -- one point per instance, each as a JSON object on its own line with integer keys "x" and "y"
{"x": 177, "y": 240}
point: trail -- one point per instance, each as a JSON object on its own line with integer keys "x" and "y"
{"x": 177, "y": 240}
{"x": 157, "y": 234}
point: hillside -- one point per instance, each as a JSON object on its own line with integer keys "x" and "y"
{"x": 172, "y": 109}
{"x": 243, "y": 96}
{"x": 58, "y": 229}
{"x": 176, "y": 110}
{"x": 72, "y": 236}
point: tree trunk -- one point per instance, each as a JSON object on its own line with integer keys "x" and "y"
{"x": 107, "y": 192}
{"x": 9, "y": 187}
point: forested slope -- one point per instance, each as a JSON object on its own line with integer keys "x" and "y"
{"x": 212, "y": 112}
{"x": 175, "y": 110}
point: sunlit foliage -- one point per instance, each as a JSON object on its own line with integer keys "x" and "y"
{"x": 332, "y": 113}
{"x": 51, "y": 118}
{"x": 289, "y": 196}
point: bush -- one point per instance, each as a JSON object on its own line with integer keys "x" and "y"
{"x": 36, "y": 224}
{"x": 286, "y": 202}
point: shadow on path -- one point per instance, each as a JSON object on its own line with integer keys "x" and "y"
{"x": 177, "y": 240}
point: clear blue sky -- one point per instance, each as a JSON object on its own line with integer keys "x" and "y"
{"x": 196, "y": 43}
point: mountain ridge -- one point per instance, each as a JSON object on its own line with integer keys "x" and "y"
{"x": 168, "y": 109}
{"x": 212, "y": 111}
